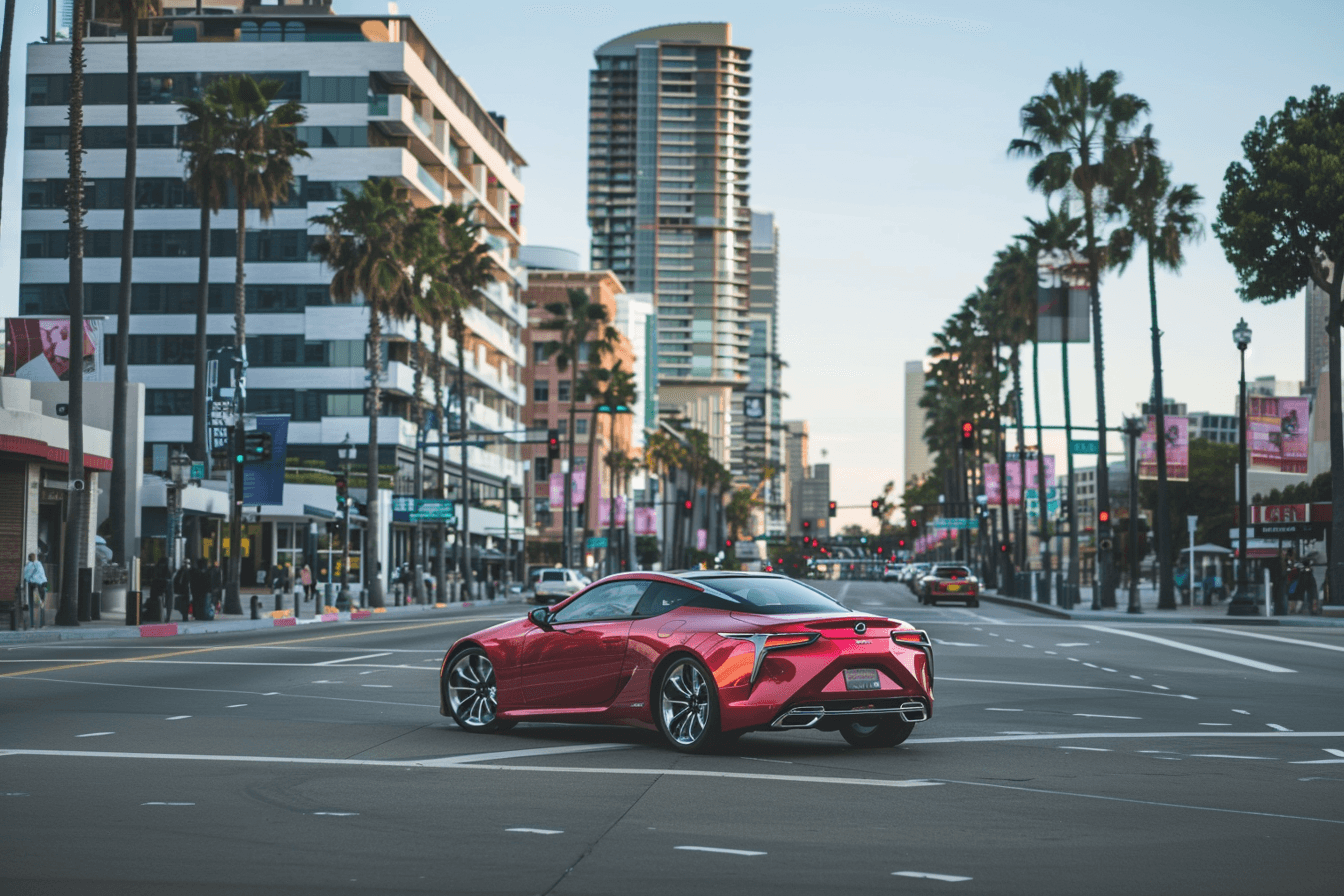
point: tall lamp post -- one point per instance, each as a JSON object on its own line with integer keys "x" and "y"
{"x": 347, "y": 455}
{"x": 1242, "y": 604}
{"x": 1133, "y": 429}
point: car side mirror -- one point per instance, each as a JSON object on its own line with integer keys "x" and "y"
{"x": 541, "y": 617}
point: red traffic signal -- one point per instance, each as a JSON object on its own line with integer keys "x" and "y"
{"x": 687, "y": 504}
{"x": 553, "y": 444}
{"x": 807, "y": 525}
{"x": 914, "y": 524}
{"x": 1003, "y": 547}
{"x": 830, "y": 508}
{"x": 901, "y": 543}
{"x": 728, "y": 543}
{"x": 967, "y": 434}
{"x": 877, "y": 507}
{"x": 879, "y": 549}
{"x": 1104, "y": 516}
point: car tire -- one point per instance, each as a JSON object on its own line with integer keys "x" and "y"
{"x": 471, "y": 693}
{"x": 972, "y": 603}
{"x": 687, "y": 708}
{"x": 882, "y": 733}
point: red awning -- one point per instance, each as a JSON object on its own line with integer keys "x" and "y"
{"x": 39, "y": 449}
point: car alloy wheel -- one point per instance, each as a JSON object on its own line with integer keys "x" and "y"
{"x": 687, "y": 711}
{"x": 472, "y": 692}
{"x": 880, "y": 733}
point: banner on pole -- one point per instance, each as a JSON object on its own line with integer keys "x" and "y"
{"x": 1062, "y": 297}
{"x": 557, "y": 489}
{"x": 646, "y": 520}
{"x": 1014, "y": 473}
{"x": 42, "y": 349}
{"x": 1276, "y": 433}
{"x": 1178, "y": 449}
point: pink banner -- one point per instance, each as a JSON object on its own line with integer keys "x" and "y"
{"x": 1178, "y": 449}
{"x": 1014, "y": 472}
{"x": 1276, "y": 433}
{"x": 701, "y": 539}
{"x": 646, "y": 520}
{"x": 557, "y": 489}
{"x": 604, "y": 511}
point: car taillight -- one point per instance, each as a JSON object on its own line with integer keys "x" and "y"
{"x": 775, "y": 642}
{"x": 912, "y": 637}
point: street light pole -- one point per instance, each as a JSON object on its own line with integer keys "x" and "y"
{"x": 1134, "y": 429}
{"x": 1242, "y": 604}
{"x": 347, "y": 454}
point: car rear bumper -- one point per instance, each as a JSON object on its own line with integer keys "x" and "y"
{"x": 827, "y": 715}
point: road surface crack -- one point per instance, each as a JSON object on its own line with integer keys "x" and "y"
{"x": 600, "y": 837}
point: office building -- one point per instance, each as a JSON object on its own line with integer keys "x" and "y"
{"x": 381, "y": 102}
{"x": 668, "y": 203}
{"x": 918, "y": 460}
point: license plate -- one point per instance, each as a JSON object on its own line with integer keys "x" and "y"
{"x": 862, "y": 680}
{"x": 953, "y": 588}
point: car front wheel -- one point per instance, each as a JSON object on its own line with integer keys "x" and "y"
{"x": 470, "y": 687}
{"x": 688, "y": 712}
{"x": 881, "y": 733}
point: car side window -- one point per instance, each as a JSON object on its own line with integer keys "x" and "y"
{"x": 662, "y": 597}
{"x": 615, "y": 600}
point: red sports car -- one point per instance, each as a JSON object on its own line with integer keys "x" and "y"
{"x": 700, "y": 657}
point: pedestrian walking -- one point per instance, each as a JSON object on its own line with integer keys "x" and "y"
{"x": 306, "y": 578}
{"x": 35, "y": 574}
{"x": 181, "y": 592}
{"x": 216, "y": 578}
{"x": 201, "y": 607}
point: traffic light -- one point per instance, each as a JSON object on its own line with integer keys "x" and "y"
{"x": 1103, "y": 516}
{"x": 687, "y": 505}
{"x": 877, "y": 507}
{"x": 728, "y": 544}
{"x": 914, "y": 524}
{"x": 830, "y": 508}
{"x": 807, "y": 527}
{"x": 553, "y": 444}
{"x": 901, "y": 543}
{"x": 256, "y": 447}
{"x": 342, "y": 495}
{"x": 879, "y": 549}
{"x": 1003, "y": 547}
{"x": 967, "y": 434}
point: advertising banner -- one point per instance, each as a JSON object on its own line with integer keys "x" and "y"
{"x": 701, "y": 539}
{"x": 646, "y": 520}
{"x": 604, "y": 511}
{"x": 557, "y": 489}
{"x": 1062, "y": 299}
{"x": 1276, "y": 433}
{"x": 39, "y": 349}
{"x": 1012, "y": 469}
{"x": 1178, "y": 449}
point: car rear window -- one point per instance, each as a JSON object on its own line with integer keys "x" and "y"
{"x": 959, "y": 572}
{"x": 775, "y": 595}
{"x": 556, "y": 576}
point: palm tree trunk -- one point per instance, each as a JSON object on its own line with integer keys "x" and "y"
{"x": 6, "y": 51}
{"x": 611, "y": 517}
{"x": 460, "y": 336}
{"x": 1042, "y": 486}
{"x": 441, "y": 417}
{"x": 417, "y": 528}
{"x": 1335, "y": 579}
{"x": 1074, "y": 571}
{"x": 1021, "y": 546}
{"x": 369, "y": 570}
{"x": 567, "y": 539}
{"x": 1104, "y": 559}
{"x": 199, "y": 412}
{"x": 121, "y": 459}
{"x": 235, "y": 574}
{"x": 73, "y": 543}
{"x": 1166, "y": 593}
{"x": 592, "y": 480}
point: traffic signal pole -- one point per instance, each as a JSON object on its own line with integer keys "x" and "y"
{"x": 232, "y": 598}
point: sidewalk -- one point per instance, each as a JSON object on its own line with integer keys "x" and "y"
{"x": 1333, "y": 616}
{"x": 113, "y": 625}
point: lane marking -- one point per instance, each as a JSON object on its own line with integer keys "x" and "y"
{"x": 167, "y": 804}
{"x": 1000, "y": 709}
{"x": 1224, "y": 756}
{"x": 96, "y": 734}
{"x": 1052, "y": 653}
{"x": 1090, "y": 749}
{"x": 1069, "y": 687}
{"x": 1121, "y": 735}
{"x": 953, "y": 643}
{"x": 1137, "y": 677}
{"x": 1191, "y": 648}
{"x": 1029, "y": 646}
{"x": 1282, "y": 640}
{"x": 518, "y": 754}
{"x": 435, "y": 763}
{"x": 1339, "y": 754}
{"x": 1161, "y": 687}
{"x": 531, "y": 831}
{"x": 1277, "y": 727}
{"x": 176, "y": 718}
{"x": 729, "y": 852}
{"x": 327, "y": 681}
{"x": 949, "y": 878}
{"x": 160, "y": 687}
{"x": 338, "y": 814}
{"x": 1241, "y": 712}
{"x": 1121, "y": 799}
{"x": 1090, "y": 665}
{"x": 351, "y": 659}
{"x": 235, "y": 706}
{"x": 375, "y": 685}
{"x": 1104, "y": 669}
{"x": 1089, "y": 715}
{"x": 1217, "y": 724}
{"x": 1075, "y": 644}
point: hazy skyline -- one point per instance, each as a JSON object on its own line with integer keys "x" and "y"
{"x": 878, "y": 140}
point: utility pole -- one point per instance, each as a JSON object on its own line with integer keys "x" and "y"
{"x": 1134, "y": 429}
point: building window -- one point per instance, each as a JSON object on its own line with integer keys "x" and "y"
{"x": 562, "y": 390}
{"x": 581, "y": 426}
{"x": 541, "y": 391}
{"x": 541, "y": 468}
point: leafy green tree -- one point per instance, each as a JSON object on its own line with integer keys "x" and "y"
{"x": 364, "y": 246}
{"x": 1281, "y": 226}
{"x": 1162, "y": 216}
{"x": 1073, "y": 130}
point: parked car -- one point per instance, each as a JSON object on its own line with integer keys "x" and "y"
{"x": 759, "y": 653}
{"x": 556, "y": 584}
{"x": 946, "y": 582}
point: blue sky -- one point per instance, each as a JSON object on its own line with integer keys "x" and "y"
{"x": 878, "y": 138}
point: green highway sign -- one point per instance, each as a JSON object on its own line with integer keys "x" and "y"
{"x": 433, "y": 510}
{"x": 597, "y": 542}
{"x": 952, "y": 522}
{"x": 1084, "y": 446}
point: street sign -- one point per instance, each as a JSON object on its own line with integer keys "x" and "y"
{"x": 952, "y": 522}
{"x": 597, "y": 542}
{"x": 1288, "y": 530}
{"x": 433, "y": 510}
{"x": 403, "y": 505}
{"x": 198, "y": 470}
{"x": 1084, "y": 446}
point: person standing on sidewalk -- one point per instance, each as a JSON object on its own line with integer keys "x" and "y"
{"x": 216, "y": 586}
{"x": 35, "y": 574}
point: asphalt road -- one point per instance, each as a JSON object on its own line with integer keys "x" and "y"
{"x": 1063, "y": 757}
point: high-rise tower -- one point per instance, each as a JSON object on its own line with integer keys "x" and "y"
{"x": 668, "y": 200}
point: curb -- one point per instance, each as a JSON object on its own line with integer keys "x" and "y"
{"x": 175, "y": 629}
{"x": 1043, "y": 609}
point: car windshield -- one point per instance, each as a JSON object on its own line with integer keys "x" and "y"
{"x": 952, "y": 572}
{"x": 775, "y": 595}
{"x": 557, "y": 576}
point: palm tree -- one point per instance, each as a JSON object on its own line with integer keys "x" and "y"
{"x": 130, "y": 12}
{"x": 257, "y": 146}
{"x": 6, "y": 51}
{"x": 617, "y": 394}
{"x": 1162, "y": 216}
{"x": 584, "y": 335}
{"x": 208, "y": 177}
{"x": 1073, "y": 130}
{"x": 67, "y": 612}
{"x": 664, "y": 455}
{"x": 364, "y": 247}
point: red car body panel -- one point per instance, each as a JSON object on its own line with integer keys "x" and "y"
{"x": 606, "y": 671}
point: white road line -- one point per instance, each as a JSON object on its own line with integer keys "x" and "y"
{"x": 375, "y": 685}
{"x": 1161, "y": 687}
{"x": 338, "y": 814}
{"x": 531, "y": 831}
{"x": 176, "y": 718}
{"x": 1075, "y": 644}
{"x": 475, "y": 766}
{"x": 1104, "y": 669}
{"x": 1277, "y": 727}
{"x": 1088, "y": 715}
{"x": 518, "y": 754}
{"x": 235, "y": 706}
{"x": 1090, "y": 665}
{"x": 1241, "y": 712}
{"x": 167, "y": 804}
{"x": 949, "y": 878}
{"x": 1010, "y": 640}
{"x": 326, "y": 681}
{"x": 1089, "y": 749}
{"x": 1136, "y": 677}
{"x": 96, "y": 734}
{"x": 1202, "y": 651}
{"x": 1281, "y": 639}
{"x": 1217, "y": 724}
{"x": 729, "y": 852}
{"x": 1028, "y": 646}
{"x": 1224, "y": 756}
{"x": 1339, "y": 754}
{"x": 953, "y": 643}
{"x": 1069, "y": 687}
{"x": 1052, "y": 653}
{"x": 1120, "y": 735}
{"x": 1000, "y": 709}
{"x": 160, "y": 687}
{"x": 351, "y": 659}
